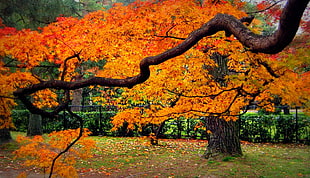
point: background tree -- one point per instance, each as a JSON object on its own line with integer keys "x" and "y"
{"x": 71, "y": 42}
{"x": 35, "y": 13}
{"x": 38, "y": 13}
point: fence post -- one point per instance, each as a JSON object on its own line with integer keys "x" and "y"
{"x": 188, "y": 128}
{"x": 296, "y": 124}
{"x": 64, "y": 120}
{"x": 100, "y": 121}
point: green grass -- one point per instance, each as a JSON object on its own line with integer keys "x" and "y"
{"x": 181, "y": 158}
{"x": 121, "y": 157}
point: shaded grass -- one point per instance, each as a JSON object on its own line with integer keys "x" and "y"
{"x": 123, "y": 157}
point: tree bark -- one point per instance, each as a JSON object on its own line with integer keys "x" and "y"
{"x": 35, "y": 125}
{"x": 224, "y": 138}
{"x": 77, "y": 94}
{"x": 77, "y": 100}
{"x": 5, "y": 136}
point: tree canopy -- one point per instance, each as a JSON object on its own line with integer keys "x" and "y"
{"x": 143, "y": 34}
{"x": 190, "y": 58}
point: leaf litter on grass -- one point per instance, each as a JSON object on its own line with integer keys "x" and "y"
{"x": 123, "y": 157}
{"x": 180, "y": 157}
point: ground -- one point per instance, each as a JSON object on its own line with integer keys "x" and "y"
{"x": 130, "y": 157}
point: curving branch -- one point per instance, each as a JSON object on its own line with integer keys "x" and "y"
{"x": 80, "y": 119}
{"x": 288, "y": 26}
{"x": 212, "y": 96}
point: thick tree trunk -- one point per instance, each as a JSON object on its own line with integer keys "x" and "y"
{"x": 5, "y": 135}
{"x": 224, "y": 139}
{"x": 35, "y": 125}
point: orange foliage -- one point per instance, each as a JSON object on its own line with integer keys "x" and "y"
{"x": 126, "y": 34}
{"x": 40, "y": 152}
{"x": 183, "y": 79}
{"x": 184, "y": 74}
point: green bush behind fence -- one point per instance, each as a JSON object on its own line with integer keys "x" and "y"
{"x": 275, "y": 128}
{"x": 253, "y": 127}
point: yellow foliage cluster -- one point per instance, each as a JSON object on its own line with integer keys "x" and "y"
{"x": 45, "y": 99}
{"x": 9, "y": 82}
{"x": 129, "y": 116}
{"x": 39, "y": 151}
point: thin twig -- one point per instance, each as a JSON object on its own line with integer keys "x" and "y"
{"x": 202, "y": 96}
{"x": 80, "y": 119}
{"x": 76, "y": 55}
{"x": 267, "y": 8}
{"x": 9, "y": 97}
{"x": 168, "y": 36}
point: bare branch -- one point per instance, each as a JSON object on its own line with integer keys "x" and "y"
{"x": 168, "y": 36}
{"x": 76, "y": 55}
{"x": 80, "y": 119}
{"x": 212, "y": 96}
{"x": 8, "y": 97}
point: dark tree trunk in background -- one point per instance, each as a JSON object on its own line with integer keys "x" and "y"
{"x": 5, "y": 136}
{"x": 224, "y": 139}
{"x": 35, "y": 125}
{"x": 77, "y": 95}
{"x": 286, "y": 110}
{"x": 77, "y": 99}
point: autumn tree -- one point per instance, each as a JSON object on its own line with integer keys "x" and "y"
{"x": 218, "y": 84}
{"x": 163, "y": 38}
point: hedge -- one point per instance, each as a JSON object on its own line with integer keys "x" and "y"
{"x": 254, "y": 127}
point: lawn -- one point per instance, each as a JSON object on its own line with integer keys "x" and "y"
{"x": 132, "y": 157}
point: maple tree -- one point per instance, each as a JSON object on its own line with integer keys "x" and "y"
{"x": 220, "y": 82}
{"x": 126, "y": 34}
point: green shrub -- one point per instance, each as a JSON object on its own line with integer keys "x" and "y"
{"x": 274, "y": 128}
{"x": 98, "y": 123}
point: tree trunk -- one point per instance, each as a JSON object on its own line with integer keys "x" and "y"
{"x": 5, "y": 136}
{"x": 77, "y": 100}
{"x": 286, "y": 110}
{"x": 35, "y": 125}
{"x": 77, "y": 95}
{"x": 224, "y": 138}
